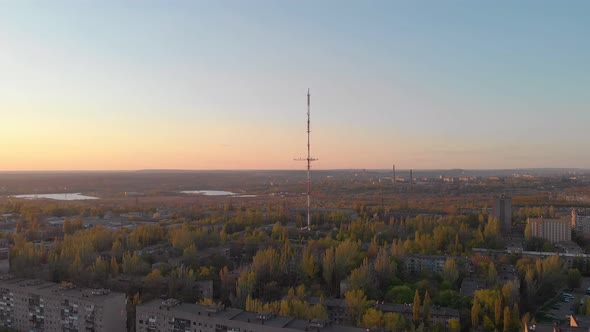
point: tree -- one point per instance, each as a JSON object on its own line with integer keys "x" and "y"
{"x": 574, "y": 278}
{"x": 426, "y": 305}
{"x": 454, "y": 325}
{"x": 384, "y": 268}
{"x": 400, "y": 294}
{"x": 372, "y": 318}
{"x": 450, "y": 273}
{"x": 360, "y": 278}
{"x": 154, "y": 279}
{"x": 244, "y": 288}
{"x": 475, "y": 312}
{"x": 114, "y": 267}
{"x": 492, "y": 274}
{"x": 510, "y": 293}
{"x": 528, "y": 231}
{"x": 356, "y": 302}
{"x": 416, "y": 308}
{"x": 507, "y": 319}
{"x": 308, "y": 264}
{"x": 101, "y": 269}
{"x": 498, "y": 312}
{"x": 394, "y": 322}
{"x": 328, "y": 266}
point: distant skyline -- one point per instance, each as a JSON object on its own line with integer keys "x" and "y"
{"x": 127, "y": 85}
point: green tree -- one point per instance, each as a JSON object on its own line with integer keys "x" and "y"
{"x": 574, "y": 278}
{"x": 400, "y": 294}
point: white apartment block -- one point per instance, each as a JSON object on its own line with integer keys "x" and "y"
{"x": 36, "y": 305}
{"x": 552, "y": 230}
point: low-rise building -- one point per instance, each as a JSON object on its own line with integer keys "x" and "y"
{"x": 338, "y": 311}
{"x": 173, "y": 316}
{"x": 417, "y": 263}
{"x": 438, "y": 315}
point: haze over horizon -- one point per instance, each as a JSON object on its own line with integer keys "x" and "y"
{"x": 221, "y": 85}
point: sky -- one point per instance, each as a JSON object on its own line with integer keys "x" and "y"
{"x": 124, "y": 85}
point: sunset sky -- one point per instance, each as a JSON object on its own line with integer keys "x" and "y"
{"x": 118, "y": 85}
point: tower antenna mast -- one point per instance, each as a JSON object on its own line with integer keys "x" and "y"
{"x": 309, "y": 159}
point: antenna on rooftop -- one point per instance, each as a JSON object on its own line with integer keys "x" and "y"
{"x": 309, "y": 159}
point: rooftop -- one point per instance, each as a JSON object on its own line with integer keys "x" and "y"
{"x": 239, "y": 315}
{"x": 51, "y": 289}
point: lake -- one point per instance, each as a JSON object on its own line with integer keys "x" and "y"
{"x": 60, "y": 197}
{"x": 209, "y": 192}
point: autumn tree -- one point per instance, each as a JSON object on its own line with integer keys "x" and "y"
{"x": 416, "y": 308}
{"x": 372, "y": 318}
{"x": 450, "y": 271}
{"x": 426, "y": 306}
{"x": 475, "y": 312}
{"x": 507, "y": 319}
{"x": 394, "y": 322}
{"x": 498, "y": 312}
{"x": 308, "y": 264}
{"x": 356, "y": 302}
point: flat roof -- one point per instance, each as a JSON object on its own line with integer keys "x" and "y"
{"x": 238, "y": 315}
{"x": 42, "y": 287}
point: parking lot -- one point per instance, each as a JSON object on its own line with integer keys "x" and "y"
{"x": 565, "y": 306}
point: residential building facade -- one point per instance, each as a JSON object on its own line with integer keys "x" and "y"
{"x": 552, "y": 230}
{"x": 503, "y": 212}
{"x": 36, "y": 305}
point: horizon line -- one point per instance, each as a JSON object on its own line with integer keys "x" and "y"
{"x": 286, "y": 169}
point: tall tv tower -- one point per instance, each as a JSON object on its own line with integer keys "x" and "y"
{"x": 309, "y": 159}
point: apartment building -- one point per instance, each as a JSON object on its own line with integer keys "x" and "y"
{"x": 553, "y": 230}
{"x": 417, "y": 263}
{"x": 36, "y": 305}
{"x": 173, "y": 316}
{"x": 581, "y": 221}
{"x": 503, "y": 212}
